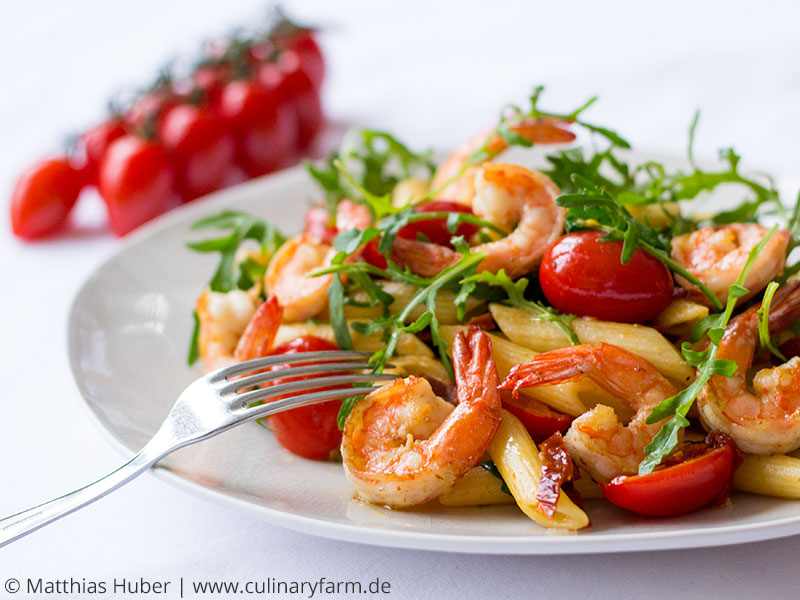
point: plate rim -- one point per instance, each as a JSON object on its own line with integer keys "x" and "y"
{"x": 557, "y": 543}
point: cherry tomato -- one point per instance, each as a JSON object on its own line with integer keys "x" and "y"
{"x": 136, "y": 182}
{"x": 263, "y": 127}
{"x": 148, "y": 109}
{"x": 211, "y": 80}
{"x": 95, "y": 143}
{"x": 303, "y": 97}
{"x": 436, "y": 229}
{"x": 581, "y": 275}
{"x": 680, "y": 488}
{"x": 320, "y": 224}
{"x": 540, "y": 420}
{"x": 301, "y": 41}
{"x": 275, "y": 80}
{"x": 308, "y": 431}
{"x": 201, "y": 146}
{"x": 43, "y": 196}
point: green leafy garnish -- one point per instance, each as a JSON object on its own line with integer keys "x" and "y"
{"x": 194, "y": 344}
{"x": 242, "y": 226}
{"x": 516, "y": 297}
{"x": 675, "y": 408}
{"x": 492, "y": 468}
{"x": 763, "y": 320}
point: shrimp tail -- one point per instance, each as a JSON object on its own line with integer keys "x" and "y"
{"x": 423, "y": 258}
{"x": 474, "y": 368}
{"x": 259, "y": 335}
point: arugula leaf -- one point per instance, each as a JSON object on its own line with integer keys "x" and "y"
{"x": 763, "y": 320}
{"x": 676, "y": 407}
{"x": 516, "y": 297}
{"x": 194, "y": 345}
{"x": 243, "y": 226}
{"x": 341, "y": 331}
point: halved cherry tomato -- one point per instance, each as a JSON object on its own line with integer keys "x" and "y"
{"x": 303, "y": 98}
{"x": 136, "y": 182}
{"x": 540, "y": 420}
{"x": 308, "y": 431}
{"x": 581, "y": 275}
{"x": 43, "y": 197}
{"x": 679, "y": 488}
{"x": 201, "y": 146}
{"x": 320, "y": 224}
{"x": 262, "y": 126}
{"x": 434, "y": 230}
{"x": 95, "y": 143}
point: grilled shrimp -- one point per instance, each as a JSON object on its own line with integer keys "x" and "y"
{"x": 596, "y": 440}
{"x": 403, "y": 445}
{"x": 716, "y": 255}
{"x": 515, "y": 199}
{"x": 766, "y": 420}
{"x": 460, "y": 186}
{"x": 287, "y": 276}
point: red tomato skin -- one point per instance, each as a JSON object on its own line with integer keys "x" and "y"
{"x": 540, "y": 420}
{"x": 201, "y": 147}
{"x": 149, "y": 107}
{"x": 674, "y": 490}
{"x": 580, "y": 275}
{"x": 263, "y": 128}
{"x": 320, "y": 224}
{"x": 95, "y": 143}
{"x": 311, "y": 59}
{"x": 43, "y": 198}
{"x": 309, "y": 431}
{"x": 273, "y": 79}
{"x": 211, "y": 80}
{"x": 303, "y": 97}
{"x": 436, "y": 229}
{"x": 136, "y": 182}
{"x": 372, "y": 256}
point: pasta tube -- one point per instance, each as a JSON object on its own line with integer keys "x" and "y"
{"x": 541, "y": 336}
{"x": 478, "y": 487}
{"x": 517, "y": 459}
{"x": 680, "y": 316}
{"x": 776, "y": 475}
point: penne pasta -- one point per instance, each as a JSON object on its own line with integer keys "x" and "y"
{"x": 420, "y": 366}
{"x": 408, "y": 344}
{"x": 680, "y": 316}
{"x": 769, "y": 475}
{"x": 655, "y": 215}
{"x": 445, "y": 311}
{"x": 478, "y": 487}
{"x": 517, "y": 459}
{"x": 572, "y": 398}
{"x": 541, "y": 336}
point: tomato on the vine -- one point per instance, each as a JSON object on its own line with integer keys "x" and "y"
{"x": 201, "y": 146}
{"x": 309, "y": 431}
{"x": 262, "y": 125}
{"x": 95, "y": 143}
{"x": 302, "y": 96}
{"x": 301, "y": 41}
{"x": 136, "y": 182}
{"x": 148, "y": 110}
{"x": 582, "y": 275}
{"x": 210, "y": 80}
{"x": 43, "y": 197}
{"x": 704, "y": 476}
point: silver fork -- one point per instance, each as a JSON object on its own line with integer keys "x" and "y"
{"x": 210, "y": 405}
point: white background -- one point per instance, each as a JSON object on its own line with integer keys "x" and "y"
{"x": 434, "y": 73}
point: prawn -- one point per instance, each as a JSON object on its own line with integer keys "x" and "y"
{"x": 766, "y": 420}
{"x": 716, "y": 255}
{"x": 455, "y": 177}
{"x": 403, "y": 445}
{"x": 515, "y": 199}
{"x": 287, "y": 276}
{"x": 596, "y": 440}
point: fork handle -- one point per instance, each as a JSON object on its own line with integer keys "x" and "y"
{"x": 27, "y": 521}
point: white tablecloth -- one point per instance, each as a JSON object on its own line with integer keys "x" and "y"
{"x": 433, "y": 72}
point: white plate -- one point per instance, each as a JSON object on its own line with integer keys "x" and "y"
{"x": 128, "y": 336}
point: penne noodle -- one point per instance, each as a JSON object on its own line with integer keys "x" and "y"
{"x": 655, "y": 215}
{"x": 541, "y": 336}
{"x": 407, "y": 191}
{"x": 680, "y": 316}
{"x": 418, "y": 365}
{"x": 572, "y": 398}
{"x": 775, "y": 475}
{"x": 445, "y": 311}
{"x": 517, "y": 459}
{"x": 407, "y": 344}
{"x": 479, "y": 487}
